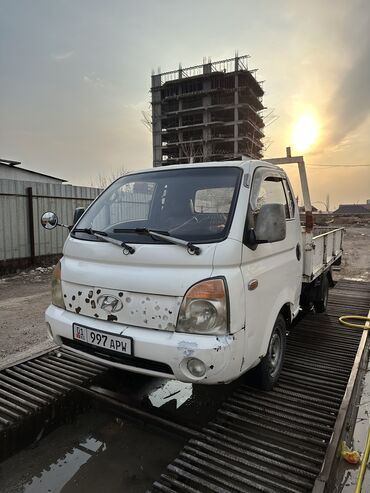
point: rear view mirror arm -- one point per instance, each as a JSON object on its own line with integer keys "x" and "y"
{"x": 65, "y": 226}
{"x": 252, "y": 238}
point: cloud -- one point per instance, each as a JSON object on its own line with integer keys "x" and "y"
{"x": 58, "y": 57}
{"x": 138, "y": 106}
{"x": 93, "y": 80}
{"x": 349, "y": 106}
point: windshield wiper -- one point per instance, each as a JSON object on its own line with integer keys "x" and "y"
{"x": 102, "y": 235}
{"x": 164, "y": 235}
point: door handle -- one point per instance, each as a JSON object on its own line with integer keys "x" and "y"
{"x": 298, "y": 252}
{"x": 252, "y": 285}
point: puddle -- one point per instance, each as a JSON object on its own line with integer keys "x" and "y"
{"x": 101, "y": 453}
{"x": 59, "y": 473}
{"x": 97, "y": 453}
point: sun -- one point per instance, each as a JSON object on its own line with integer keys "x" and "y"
{"x": 305, "y": 133}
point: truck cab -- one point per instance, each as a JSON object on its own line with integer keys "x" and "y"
{"x": 190, "y": 272}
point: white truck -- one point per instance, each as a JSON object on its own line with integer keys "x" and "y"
{"x": 191, "y": 272}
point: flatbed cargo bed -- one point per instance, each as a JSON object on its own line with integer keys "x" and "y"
{"x": 321, "y": 252}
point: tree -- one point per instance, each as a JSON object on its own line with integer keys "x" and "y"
{"x": 146, "y": 119}
{"x": 103, "y": 180}
{"x": 191, "y": 151}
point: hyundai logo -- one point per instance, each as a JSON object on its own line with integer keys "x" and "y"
{"x": 109, "y": 303}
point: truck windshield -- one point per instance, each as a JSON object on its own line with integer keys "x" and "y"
{"x": 193, "y": 204}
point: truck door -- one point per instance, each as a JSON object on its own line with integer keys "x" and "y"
{"x": 272, "y": 272}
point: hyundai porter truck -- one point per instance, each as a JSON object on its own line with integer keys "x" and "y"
{"x": 191, "y": 272}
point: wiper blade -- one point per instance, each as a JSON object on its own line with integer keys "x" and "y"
{"x": 102, "y": 235}
{"x": 140, "y": 230}
{"x": 164, "y": 235}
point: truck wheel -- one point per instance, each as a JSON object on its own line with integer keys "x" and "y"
{"x": 321, "y": 304}
{"x": 306, "y": 305}
{"x": 268, "y": 371}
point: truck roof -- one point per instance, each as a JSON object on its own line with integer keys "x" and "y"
{"x": 246, "y": 165}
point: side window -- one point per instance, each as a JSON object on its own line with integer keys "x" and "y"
{"x": 272, "y": 192}
{"x": 289, "y": 195}
{"x": 266, "y": 189}
{"x": 213, "y": 200}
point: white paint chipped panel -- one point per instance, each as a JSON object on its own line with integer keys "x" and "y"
{"x": 124, "y": 307}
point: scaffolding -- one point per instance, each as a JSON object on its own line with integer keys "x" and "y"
{"x": 208, "y": 112}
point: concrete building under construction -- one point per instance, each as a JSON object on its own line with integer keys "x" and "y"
{"x": 209, "y": 112}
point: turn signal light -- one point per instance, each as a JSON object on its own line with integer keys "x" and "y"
{"x": 204, "y": 309}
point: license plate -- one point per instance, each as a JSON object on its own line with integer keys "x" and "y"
{"x": 98, "y": 338}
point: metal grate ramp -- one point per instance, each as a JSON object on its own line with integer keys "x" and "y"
{"x": 35, "y": 395}
{"x": 276, "y": 441}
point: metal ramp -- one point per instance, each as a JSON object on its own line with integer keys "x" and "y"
{"x": 39, "y": 393}
{"x": 277, "y": 441}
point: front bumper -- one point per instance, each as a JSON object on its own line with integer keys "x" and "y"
{"x": 222, "y": 355}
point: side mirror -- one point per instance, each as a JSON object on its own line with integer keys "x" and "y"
{"x": 49, "y": 220}
{"x": 77, "y": 214}
{"x": 270, "y": 224}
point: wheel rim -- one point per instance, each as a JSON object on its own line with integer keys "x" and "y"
{"x": 275, "y": 353}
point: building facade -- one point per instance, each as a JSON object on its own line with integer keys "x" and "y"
{"x": 209, "y": 112}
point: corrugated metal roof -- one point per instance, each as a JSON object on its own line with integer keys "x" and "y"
{"x": 15, "y": 165}
{"x": 352, "y": 209}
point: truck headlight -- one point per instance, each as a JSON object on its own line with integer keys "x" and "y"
{"x": 204, "y": 309}
{"x": 56, "y": 287}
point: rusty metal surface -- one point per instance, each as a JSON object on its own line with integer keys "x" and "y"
{"x": 276, "y": 441}
{"x": 36, "y": 394}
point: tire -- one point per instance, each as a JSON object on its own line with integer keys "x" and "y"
{"x": 322, "y": 301}
{"x": 306, "y": 306}
{"x": 268, "y": 371}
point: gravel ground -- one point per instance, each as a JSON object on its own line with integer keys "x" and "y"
{"x": 25, "y": 296}
{"x": 23, "y": 301}
{"x": 356, "y": 258}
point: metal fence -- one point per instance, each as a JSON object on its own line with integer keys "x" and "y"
{"x": 22, "y": 238}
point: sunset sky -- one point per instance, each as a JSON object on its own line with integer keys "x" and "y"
{"x": 75, "y": 77}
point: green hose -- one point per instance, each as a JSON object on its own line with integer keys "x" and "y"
{"x": 365, "y": 458}
{"x": 365, "y": 326}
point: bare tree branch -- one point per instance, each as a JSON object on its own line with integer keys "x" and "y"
{"x": 147, "y": 119}
{"x": 103, "y": 180}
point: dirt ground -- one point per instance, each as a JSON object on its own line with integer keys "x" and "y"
{"x": 356, "y": 258}
{"x": 23, "y": 301}
{"x": 25, "y": 296}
